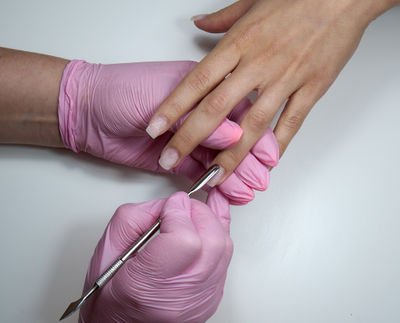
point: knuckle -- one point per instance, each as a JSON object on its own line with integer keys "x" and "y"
{"x": 183, "y": 138}
{"x": 200, "y": 80}
{"x": 216, "y": 244}
{"x": 242, "y": 39}
{"x": 257, "y": 119}
{"x": 293, "y": 120}
{"x": 216, "y": 104}
{"x": 231, "y": 160}
{"x": 122, "y": 213}
{"x": 246, "y": 35}
{"x": 175, "y": 109}
{"x": 190, "y": 242}
{"x": 229, "y": 245}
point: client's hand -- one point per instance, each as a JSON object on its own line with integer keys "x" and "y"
{"x": 104, "y": 110}
{"x": 178, "y": 276}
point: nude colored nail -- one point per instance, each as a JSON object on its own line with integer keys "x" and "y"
{"x": 213, "y": 181}
{"x": 168, "y": 158}
{"x": 198, "y": 17}
{"x": 156, "y": 127}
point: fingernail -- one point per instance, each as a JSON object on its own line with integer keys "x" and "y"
{"x": 168, "y": 158}
{"x": 198, "y": 17}
{"x": 213, "y": 181}
{"x": 156, "y": 127}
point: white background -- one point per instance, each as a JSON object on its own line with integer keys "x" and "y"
{"x": 321, "y": 245}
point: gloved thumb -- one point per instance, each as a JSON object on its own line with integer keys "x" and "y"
{"x": 129, "y": 222}
{"x": 178, "y": 243}
{"x": 219, "y": 204}
{"x": 223, "y": 19}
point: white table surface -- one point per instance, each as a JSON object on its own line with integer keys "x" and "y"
{"x": 321, "y": 245}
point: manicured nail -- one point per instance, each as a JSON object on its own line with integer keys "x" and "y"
{"x": 198, "y": 17}
{"x": 168, "y": 158}
{"x": 156, "y": 127}
{"x": 213, "y": 181}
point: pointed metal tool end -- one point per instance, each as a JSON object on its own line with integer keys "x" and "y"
{"x": 74, "y": 306}
{"x": 204, "y": 179}
{"x": 71, "y": 309}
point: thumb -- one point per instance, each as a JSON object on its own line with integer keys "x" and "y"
{"x": 219, "y": 204}
{"x": 222, "y": 20}
{"x": 129, "y": 222}
{"x": 178, "y": 243}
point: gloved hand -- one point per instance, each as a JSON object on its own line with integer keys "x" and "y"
{"x": 104, "y": 110}
{"x": 178, "y": 276}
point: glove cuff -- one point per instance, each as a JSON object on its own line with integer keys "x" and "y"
{"x": 67, "y": 104}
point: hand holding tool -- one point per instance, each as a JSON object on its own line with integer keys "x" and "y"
{"x": 110, "y": 272}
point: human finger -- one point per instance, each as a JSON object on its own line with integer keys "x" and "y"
{"x": 177, "y": 245}
{"x": 128, "y": 223}
{"x": 206, "y": 118}
{"x": 253, "y": 173}
{"x": 254, "y": 125}
{"x": 195, "y": 85}
{"x": 292, "y": 117}
{"x": 214, "y": 240}
{"x": 223, "y": 19}
{"x": 266, "y": 149}
{"x": 219, "y": 204}
{"x": 225, "y": 135}
{"x": 234, "y": 189}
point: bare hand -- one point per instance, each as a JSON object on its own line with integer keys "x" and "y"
{"x": 288, "y": 50}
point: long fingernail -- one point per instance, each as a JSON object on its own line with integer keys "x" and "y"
{"x": 198, "y": 17}
{"x": 168, "y": 158}
{"x": 214, "y": 181}
{"x": 156, "y": 127}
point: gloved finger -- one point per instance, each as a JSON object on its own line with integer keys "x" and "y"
{"x": 219, "y": 204}
{"x": 128, "y": 223}
{"x": 177, "y": 245}
{"x": 237, "y": 191}
{"x": 253, "y": 173}
{"x": 225, "y": 135}
{"x": 266, "y": 149}
{"x": 250, "y": 171}
{"x": 233, "y": 187}
{"x": 213, "y": 240}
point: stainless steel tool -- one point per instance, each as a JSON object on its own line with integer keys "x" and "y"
{"x": 110, "y": 272}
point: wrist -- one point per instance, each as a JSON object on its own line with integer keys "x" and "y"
{"x": 73, "y": 103}
{"x": 29, "y": 85}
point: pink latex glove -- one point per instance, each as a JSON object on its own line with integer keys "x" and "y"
{"x": 178, "y": 276}
{"x": 104, "y": 110}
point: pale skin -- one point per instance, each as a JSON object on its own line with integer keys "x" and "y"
{"x": 29, "y": 87}
{"x": 287, "y": 50}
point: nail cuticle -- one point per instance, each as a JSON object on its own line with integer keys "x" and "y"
{"x": 213, "y": 182}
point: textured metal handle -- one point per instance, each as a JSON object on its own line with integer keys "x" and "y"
{"x": 103, "y": 279}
